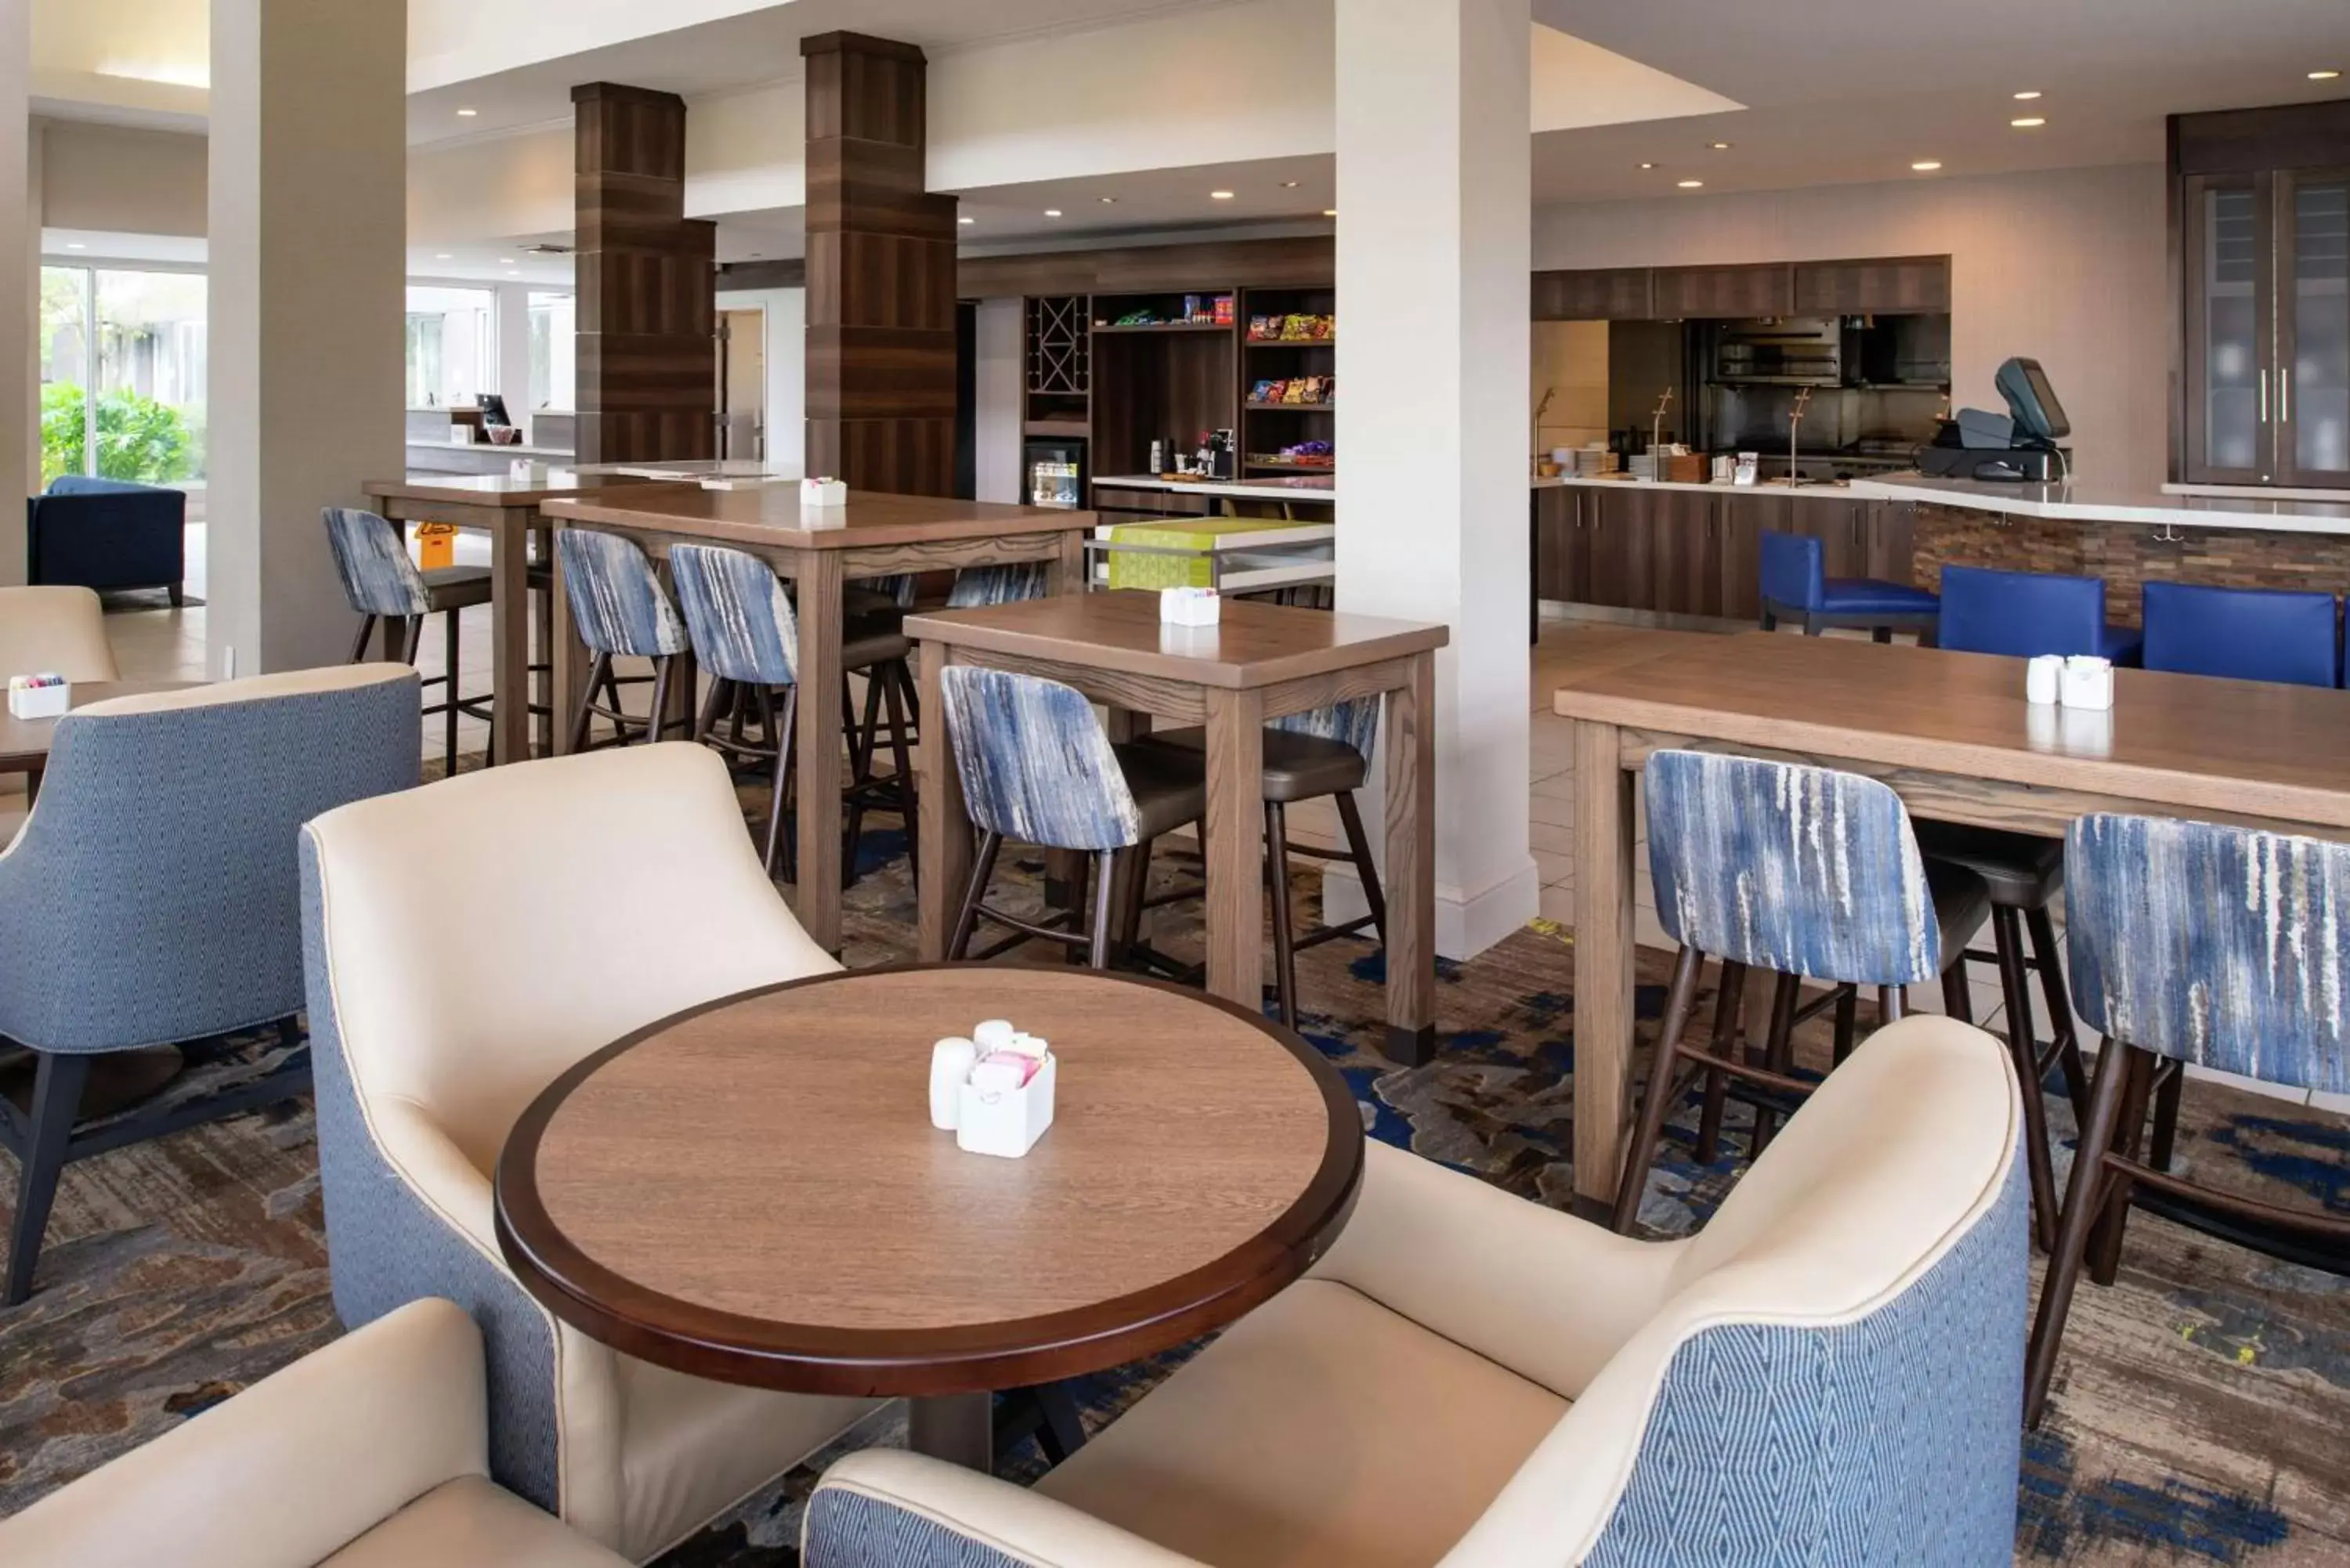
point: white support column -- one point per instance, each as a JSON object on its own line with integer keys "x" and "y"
{"x": 1434, "y": 251}
{"x": 20, "y": 280}
{"x": 308, "y": 219}
{"x": 514, "y": 353}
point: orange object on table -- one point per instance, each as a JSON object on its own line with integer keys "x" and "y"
{"x": 436, "y": 545}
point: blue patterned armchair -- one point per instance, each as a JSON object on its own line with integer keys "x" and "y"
{"x": 150, "y": 900}
{"x": 465, "y": 944}
{"x": 1829, "y": 1375}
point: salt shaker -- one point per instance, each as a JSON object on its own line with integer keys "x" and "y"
{"x": 950, "y": 1064}
{"x": 2044, "y": 678}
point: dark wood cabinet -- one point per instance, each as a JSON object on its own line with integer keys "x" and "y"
{"x": 1723, "y": 291}
{"x": 1895, "y": 286}
{"x": 1601, "y": 294}
{"x": 2260, "y": 209}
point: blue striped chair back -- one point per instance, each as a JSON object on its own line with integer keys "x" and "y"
{"x": 2219, "y": 946}
{"x": 1035, "y": 764}
{"x": 617, "y": 603}
{"x": 1800, "y": 869}
{"x": 1355, "y": 722}
{"x": 977, "y": 586}
{"x": 737, "y": 613}
{"x": 371, "y": 557}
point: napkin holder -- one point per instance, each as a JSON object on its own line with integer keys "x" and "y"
{"x": 819, "y": 494}
{"x": 1190, "y": 606}
{"x": 2087, "y": 683}
{"x": 1006, "y": 1122}
{"x": 49, "y": 700}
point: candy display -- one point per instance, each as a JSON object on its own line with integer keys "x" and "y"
{"x": 1300, "y": 328}
{"x": 1296, "y": 391}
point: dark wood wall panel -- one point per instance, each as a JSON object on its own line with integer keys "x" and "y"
{"x": 648, "y": 283}
{"x": 880, "y": 273}
{"x": 1307, "y": 262}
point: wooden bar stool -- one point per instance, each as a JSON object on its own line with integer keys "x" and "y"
{"x": 2197, "y": 945}
{"x": 1800, "y": 871}
{"x": 622, "y": 611}
{"x": 384, "y": 584}
{"x": 1037, "y": 768}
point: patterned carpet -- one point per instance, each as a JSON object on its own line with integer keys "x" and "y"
{"x": 2202, "y": 1414}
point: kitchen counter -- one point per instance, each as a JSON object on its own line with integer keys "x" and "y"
{"x": 2111, "y": 504}
{"x": 1827, "y": 490}
{"x": 1310, "y": 488}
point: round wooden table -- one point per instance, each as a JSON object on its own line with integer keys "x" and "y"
{"x": 751, "y": 1190}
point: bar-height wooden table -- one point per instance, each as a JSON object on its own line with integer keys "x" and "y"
{"x": 1263, "y": 661}
{"x": 1951, "y": 733}
{"x": 505, "y": 509}
{"x": 819, "y": 551}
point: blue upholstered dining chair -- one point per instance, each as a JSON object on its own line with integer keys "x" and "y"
{"x": 1796, "y": 587}
{"x": 2246, "y": 634}
{"x": 977, "y": 586}
{"x": 384, "y": 585}
{"x": 149, "y": 901}
{"x": 1036, "y": 768}
{"x": 1802, "y": 872}
{"x": 745, "y": 634}
{"x": 2193, "y": 945}
{"x": 1828, "y": 1374}
{"x": 1321, "y": 752}
{"x": 620, "y": 611}
{"x": 2026, "y": 614}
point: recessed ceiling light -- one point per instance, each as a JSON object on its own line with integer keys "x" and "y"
{"x": 1648, "y": 166}
{"x": 75, "y": 245}
{"x": 1051, "y": 212}
{"x": 1721, "y": 146}
{"x": 1219, "y": 195}
{"x": 1289, "y": 184}
{"x": 1927, "y": 165}
{"x": 1693, "y": 184}
{"x": 506, "y": 260}
{"x": 467, "y": 113}
{"x": 1109, "y": 200}
{"x": 444, "y": 256}
{"x": 2324, "y": 75}
{"x": 2028, "y": 122}
{"x": 2027, "y": 95}
{"x": 1329, "y": 211}
{"x": 966, "y": 220}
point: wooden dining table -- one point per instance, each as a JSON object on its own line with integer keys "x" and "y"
{"x": 25, "y": 743}
{"x": 1953, "y": 736}
{"x": 1262, "y": 662}
{"x": 819, "y": 551}
{"x": 506, "y": 509}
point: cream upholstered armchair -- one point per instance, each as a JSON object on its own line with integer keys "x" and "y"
{"x": 465, "y": 944}
{"x": 369, "y": 1453}
{"x": 1829, "y": 1374}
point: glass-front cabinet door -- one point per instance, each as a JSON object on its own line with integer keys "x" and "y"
{"x": 2313, "y": 329}
{"x": 2227, "y": 251}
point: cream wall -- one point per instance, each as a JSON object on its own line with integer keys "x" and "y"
{"x": 112, "y": 178}
{"x": 2069, "y": 268}
{"x": 784, "y": 351}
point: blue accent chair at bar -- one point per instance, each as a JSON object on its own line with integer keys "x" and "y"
{"x": 2245, "y": 634}
{"x": 383, "y": 583}
{"x": 2205, "y": 946}
{"x": 1796, "y": 587}
{"x": 150, "y": 900}
{"x": 1802, "y": 872}
{"x": 1828, "y": 1375}
{"x": 2026, "y": 614}
{"x": 620, "y": 611}
{"x": 1036, "y": 768}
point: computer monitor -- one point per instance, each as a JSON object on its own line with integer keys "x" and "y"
{"x": 2039, "y": 417}
{"x": 494, "y": 412}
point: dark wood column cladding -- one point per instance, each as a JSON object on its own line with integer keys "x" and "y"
{"x": 880, "y": 273}
{"x": 647, "y": 284}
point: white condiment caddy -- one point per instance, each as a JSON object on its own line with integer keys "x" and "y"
{"x": 1190, "y": 606}
{"x": 994, "y": 1090}
{"x": 2082, "y": 680}
{"x": 43, "y": 696}
{"x": 823, "y": 493}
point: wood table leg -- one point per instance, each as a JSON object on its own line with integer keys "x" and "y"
{"x": 1067, "y": 574}
{"x": 570, "y": 674}
{"x": 957, "y": 1427}
{"x": 1410, "y": 875}
{"x": 944, "y": 834}
{"x": 817, "y": 573}
{"x": 1603, "y": 958}
{"x": 1234, "y": 851}
{"x": 510, "y": 636}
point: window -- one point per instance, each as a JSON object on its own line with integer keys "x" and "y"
{"x": 553, "y": 368}
{"x": 453, "y": 346}
{"x": 123, "y": 355}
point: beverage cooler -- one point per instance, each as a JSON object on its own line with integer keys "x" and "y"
{"x": 1054, "y": 473}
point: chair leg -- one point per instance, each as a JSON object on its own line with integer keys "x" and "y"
{"x": 2043, "y": 932}
{"x": 1848, "y": 1022}
{"x": 2105, "y": 1237}
{"x": 782, "y": 730}
{"x": 1367, "y": 871}
{"x": 983, "y": 866}
{"x": 902, "y": 757}
{"x": 57, "y": 1100}
{"x": 1958, "y": 1001}
{"x": 599, "y": 674}
{"x": 1136, "y": 888}
{"x": 1778, "y": 1054}
{"x": 1284, "y": 934}
{"x": 2015, "y": 994}
{"x": 2083, "y": 1200}
{"x": 1104, "y": 878}
{"x": 1729, "y": 1005}
{"x": 449, "y": 718}
{"x": 722, "y": 696}
{"x": 663, "y": 664}
{"x": 2166, "y": 1118}
{"x": 1643, "y": 1150}
{"x": 367, "y": 630}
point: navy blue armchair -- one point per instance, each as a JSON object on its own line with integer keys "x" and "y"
{"x": 107, "y": 534}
